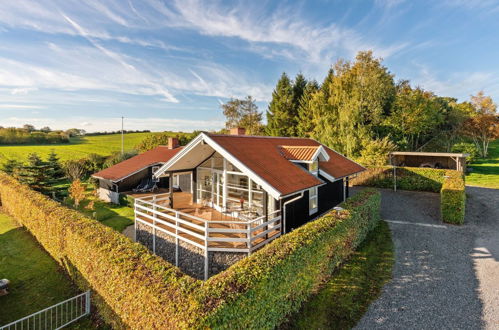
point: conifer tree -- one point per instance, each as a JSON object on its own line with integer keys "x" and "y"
{"x": 306, "y": 108}
{"x": 279, "y": 113}
{"x": 10, "y": 166}
{"x": 54, "y": 166}
{"x": 34, "y": 173}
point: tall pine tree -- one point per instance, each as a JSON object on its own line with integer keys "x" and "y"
{"x": 305, "y": 124}
{"x": 279, "y": 118}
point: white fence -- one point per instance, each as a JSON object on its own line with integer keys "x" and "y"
{"x": 56, "y": 316}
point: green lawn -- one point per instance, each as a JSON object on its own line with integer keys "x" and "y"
{"x": 346, "y": 296}
{"x": 78, "y": 148}
{"x": 115, "y": 216}
{"x": 485, "y": 172}
{"x": 37, "y": 281}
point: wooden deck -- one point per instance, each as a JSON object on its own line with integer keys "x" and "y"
{"x": 211, "y": 220}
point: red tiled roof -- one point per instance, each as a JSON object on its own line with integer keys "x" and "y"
{"x": 121, "y": 170}
{"x": 339, "y": 166}
{"x": 263, "y": 156}
{"x": 298, "y": 153}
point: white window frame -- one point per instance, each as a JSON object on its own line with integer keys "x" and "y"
{"x": 155, "y": 168}
{"x": 315, "y": 170}
{"x": 313, "y": 194}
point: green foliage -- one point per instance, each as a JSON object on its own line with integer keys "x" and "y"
{"x": 35, "y": 173}
{"x": 280, "y": 114}
{"x": 55, "y": 166}
{"x": 343, "y": 300}
{"x": 153, "y": 140}
{"x": 375, "y": 152}
{"x": 360, "y": 95}
{"x": 118, "y": 157}
{"x": 260, "y": 291}
{"x": 453, "y": 198}
{"x": 135, "y": 289}
{"x": 28, "y": 135}
{"x": 306, "y": 109}
{"x": 75, "y": 169}
{"x": 10, "y": 165}
{"x": 243, "y": 113}
{"x": 467, "y": 148}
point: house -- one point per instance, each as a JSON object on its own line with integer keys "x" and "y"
{"x": 247, "y": 191}
{"x": 127, "y": 175}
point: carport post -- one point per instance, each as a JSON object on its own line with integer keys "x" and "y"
{"x": 394, "y": 173}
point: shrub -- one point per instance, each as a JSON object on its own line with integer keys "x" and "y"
{"x": 375, "y": 152}
{"x": 259, "y": 291}
{"x": 453, "y": 198}
{"x": 467, "y": 148}
{"x": 134, "y": 289}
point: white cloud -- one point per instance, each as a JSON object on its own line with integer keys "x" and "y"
{"x": 94, "y": 124}
{"x": 22, "y": 91}
{"x": 20, "y": 106}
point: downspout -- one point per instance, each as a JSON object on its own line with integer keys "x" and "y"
{"x": 284, "y": 210}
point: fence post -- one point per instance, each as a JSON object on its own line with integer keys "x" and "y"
{"x": 154, "y": 224}
{"x": 176, "y": 239}
{"x": 206, "y": 255}
{"x": 87, "y": 302}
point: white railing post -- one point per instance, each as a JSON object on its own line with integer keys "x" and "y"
{"x": 154, "y": 224}
{"x": 176, "y": 239}
{"x": 206, "y": 234}
{"x": 87, "y": 302}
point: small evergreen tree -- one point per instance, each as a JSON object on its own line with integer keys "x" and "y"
{"x": 55, "y": 168}
{"x": 10, "y": 166}
{"x": 35, "y": 174}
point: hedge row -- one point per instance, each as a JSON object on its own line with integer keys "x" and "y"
{"x": 450, "y": 184}
{"x": 453, "y": 198}
{"x": 260, "y": 291}
{"x": 408, "y": 178}
{"x": 135, "y": 289}
{"x": 131, "y": 287}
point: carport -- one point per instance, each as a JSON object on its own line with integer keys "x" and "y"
{"x": 453, "y": 161}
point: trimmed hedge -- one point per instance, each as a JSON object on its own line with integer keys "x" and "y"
{"x": 131, "y": 287}
{"x": 453, "y": 198}
{"x": 261, "y": 290}
{"x": 450, "y": 184}
{"x": 135, "y": 289}
{"x": 408, "y": 178}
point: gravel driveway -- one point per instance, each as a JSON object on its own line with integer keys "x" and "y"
{"x": 444, "y": 277}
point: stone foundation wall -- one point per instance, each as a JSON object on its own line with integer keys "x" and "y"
{"x": 190, "y": 257}
{"x": 220, "y": 261}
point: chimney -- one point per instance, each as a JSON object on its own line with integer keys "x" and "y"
{"x": 237, "y": 131}
{"x": 172, "y": 142}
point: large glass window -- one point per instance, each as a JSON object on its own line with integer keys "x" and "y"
{"x": 313, "y": 200}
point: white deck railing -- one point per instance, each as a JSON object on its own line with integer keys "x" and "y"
{"x": 203, "y": 233}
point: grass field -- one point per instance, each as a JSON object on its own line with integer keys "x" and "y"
{"x": 78, "y": 148}
{"x": 36, "y": 280}
{"x": 346, "y": 296}
{"x": 485, "y": 172}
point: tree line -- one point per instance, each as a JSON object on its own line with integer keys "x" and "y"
{"x": 29, "y": 135}
{"x": 361, "y": 111}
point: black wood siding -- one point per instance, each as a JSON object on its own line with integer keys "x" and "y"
{"x": 131, "y": 182}
{"x": 297, "y": 213}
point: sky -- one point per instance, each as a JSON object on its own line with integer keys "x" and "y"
{"x": 168, "y": 65}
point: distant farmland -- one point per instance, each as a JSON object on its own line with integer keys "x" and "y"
{"x": 78, "y": 148}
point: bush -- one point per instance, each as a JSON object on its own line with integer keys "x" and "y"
{"x": 375, "y": 152}
{"x": 453, "y": 198}
{"x": 134, "y": 289}
{"x": 467, "y": 148}
{"x": 261, "y": 290}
